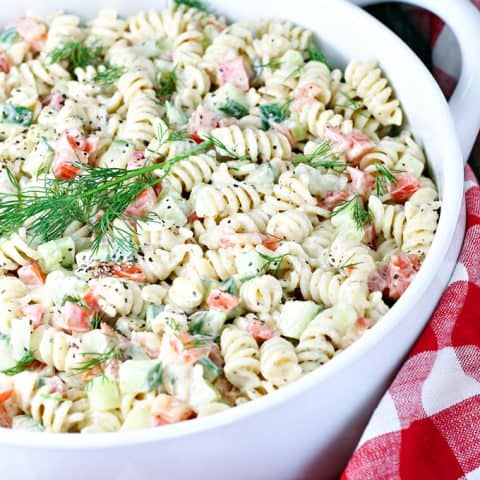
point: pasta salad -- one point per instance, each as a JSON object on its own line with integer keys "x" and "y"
{"x": 193, "y": 214}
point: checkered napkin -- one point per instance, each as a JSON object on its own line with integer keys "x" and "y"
{"x": 427, "y": 425}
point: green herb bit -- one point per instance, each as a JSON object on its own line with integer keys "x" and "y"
{"x": 23, "y": 364}
{"x": 271, "y": 263}
{"x": 100, "y": 359}
{"x": 109, "y": 75}
{"x": 273, "y": 112}
{"x": 56, "y": 397}
{"x": 323, "y": 157}
{"x": 4, "y": 337}
{"x": 192, "y": 4}
{"x": 314, "y": 53}
{"x": 219, "y": 145}
{"x": 234, "y": 109}
{"x": 359, "y": 214}
{"x": 96, "y": 321}
{"x": 7, "y": 37}
{"x": 166, "y": 84}
{"x": 354, "y": 104}
{"x": 385, "y": 177}
{"x": 294, "y": 72}
{"x": 199, "y": 340}
{"x": 78, "y": 55}
{"x": 230, "y": 286}
{"x": 16, "y": 114}
{"x": 154, "y": 377}
{"x": 347, "y": 265}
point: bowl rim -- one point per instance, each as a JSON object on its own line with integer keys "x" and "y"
{"x": 449, "y": 217}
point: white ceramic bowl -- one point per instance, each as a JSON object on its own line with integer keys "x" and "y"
{"x": 310, "y": 427}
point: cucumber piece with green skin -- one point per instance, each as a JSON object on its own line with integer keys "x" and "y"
{"x": 39, "y": 160}
{"x": 26, "y": 423}
{"x": 103, "y": 394}
{"x": 174, "y": 115}
{"x": 132, "y": 375}
{"x": 138, "y": 418}
{"x": 208, "y": 322}
{"x": 56, "y": 254}
{"x": 223, "y": 95}
{"x": 346, "y": 226}
{"x": 263, "y": 175}
{"x": 298, "y": 130}
{"x": 295, "y": 316}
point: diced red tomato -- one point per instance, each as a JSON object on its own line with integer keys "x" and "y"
{"x": 271, "y": 242}
{"x": 404, "y": 187}
{"x": 168, "y": 409}
{"x": 5, "y": 395}
{"x": 332, "y": 199}
{"x": 32, "y": 31}
{"x": 90, "y": 299}
{"x": 55, "y": 100}
{"x": 235, "y": 72}
{"x": 31, "y": 274}
{"x": 202, "y": 121}
{"x": 136, "y": 160}
{"x": 65, "y": 171}
{"x": 362, "y": 182}
{"x": 91, "y": 144}
{"x": 5, "y": 418}
{"x": 33, "y": 312}
{"x": 261, "y": 331}
{"x": 129, "y": 271}
{"x": 4, "y": 63}
{"x": 76, "y": 318}
{"x": 355, "y": 144}
{"x": 220, "y": 300}
{"x": 144, "y": 203}
{"x": 400, "y": 272}
{"x": 93, "y": 372}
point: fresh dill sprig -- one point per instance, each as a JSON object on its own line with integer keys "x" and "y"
{"x": 271, "y": 263}
{"x": 294, "y": 72}
{"x": 192, "y": 4}
{"x": 359, "y": 214}
{"x": 347, "y": 265}
{"x": 314, "y": 53}
{"x": 166, "y": 84}
{"x": 100, "y": 359}
{"x": 96, "y": 192}
{"x": 233, "y": 109}
{"x": 7, "y": 37}
{"x": 77, "y": 54}
{"x": 108, "y": 76}
{"x": 354, "y": 104}
{"x": 323, "y": 157}
{"x": 385, "y": 177}
{"x": 221, "y": 147}
{"x": 24, "y": 362}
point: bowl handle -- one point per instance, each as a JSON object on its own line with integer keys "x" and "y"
{"x": 464, "y": 20}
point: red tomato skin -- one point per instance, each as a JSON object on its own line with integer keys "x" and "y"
{"x": 235, "y": 72}
{"x": 220, "y": 300}
{"x": 66, "y": 171}
{"x": 76, "y": 318}
{"x": 31, "y": 274}
{"x": 4, "y": 63}
{"x": 144, "y": 203}
{"x": 404, "y": 187}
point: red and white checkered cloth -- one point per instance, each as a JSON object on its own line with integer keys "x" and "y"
{"x": 427, "y": 425}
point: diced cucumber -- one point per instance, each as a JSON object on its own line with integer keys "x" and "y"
{"x": 345, "y": 224}
{"x": 249, "y": 263}
{"x": 174, "y": 115}
{"x": 225, "y": 93}
{"x": 56, "y": 254}
{"x": 263, "y": 175}
{"x": 85, "y": 257}
{"x": 211, "y": 370}
{"x": 169, "y": 210}
{"x": 26, "y": 423}
{"x": 6, "y": 355}
{"x": 39, "y": 160}
{"x": 94, "y": 341}
{"x": 299, "y": 131}
{"x": 63, "y": 283}
{"x": 201, "y": 392}
{"x": 103, "y": 393}
{"x": 207, "y": 322}
{"x": 138, "y": 418}
{"x": 152, "y": 312}
{"x": 295, "y": 316}
{"x": 292, "y": 58}
{"x": 345, "y": 316}
{"x": 20, "y": 335}
{"x": 117, "y": 155}
{"x": 132, "y": 375}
